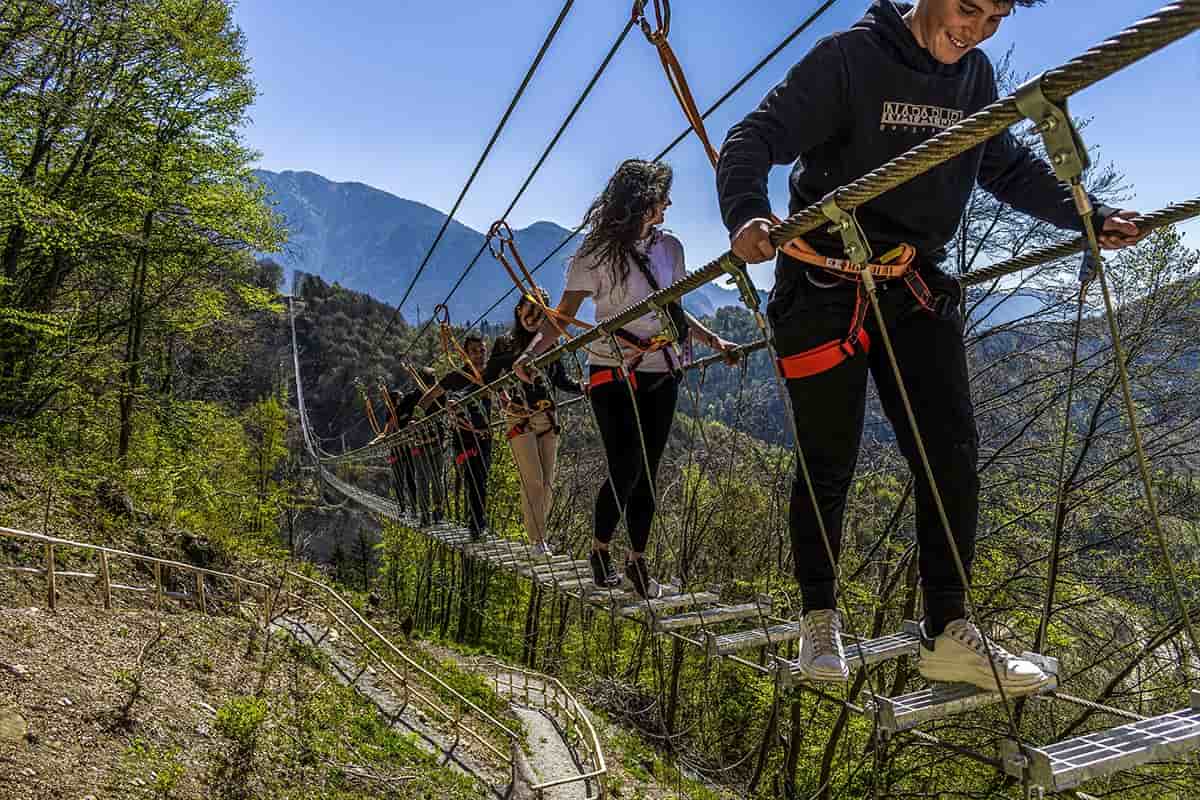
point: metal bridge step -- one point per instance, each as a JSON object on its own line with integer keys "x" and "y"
{"x": 728, "y": 643}
{"x": 871, "y": 651}
{"x": 711, "y": 616}
{"x": 519, "y": 555}
{"x": 610, "y": 598}
{"x": 667, "y": 603}
{"x": 462, "y": 540}
{"x": 1066, "y": 764}
{"x": 556, "y": 570}
{"x": 948, "y": 699}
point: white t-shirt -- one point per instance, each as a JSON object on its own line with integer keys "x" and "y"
{"x": 585, "y": 275}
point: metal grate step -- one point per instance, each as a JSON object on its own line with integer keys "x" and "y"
{"x": 1066, "y": 764}
{"x": 611, "y": 598}
{"x": 712, "y": 616}
{"x": 948, "y": 699}
{"x": 872, "y": 651}
{"x": 557, "y": 570}
{"x": 727, "y": 643}
{"x": 522, "y": 556}
{"x": 681, "y": 600}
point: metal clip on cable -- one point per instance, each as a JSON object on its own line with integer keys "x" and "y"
{"x": 1065, "y": 147}
{"x": 854, "y": 240}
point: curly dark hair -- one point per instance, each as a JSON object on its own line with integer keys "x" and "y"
{"x": 616, "y": 216}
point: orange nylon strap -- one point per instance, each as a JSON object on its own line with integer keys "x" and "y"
{"x": 823, "y": 358}
{"x": 416, "y": 376}
{"x": 658, "y": 36}
{"x": 370, "y": 407}
{"x": 393, "y": 417}
{"x": 501, "y": 232}
{"x": 605, "y": 376}
{"x": 452, "y": 348}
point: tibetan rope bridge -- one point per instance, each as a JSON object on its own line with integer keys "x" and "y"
{"x": 734, "y": 632}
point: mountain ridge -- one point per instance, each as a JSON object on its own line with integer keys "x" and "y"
{"x": 370, "y": 240}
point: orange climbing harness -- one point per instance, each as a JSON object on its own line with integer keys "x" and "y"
{"x": 523, "y": 415}
{"x": 503, "y": 246}
{"x": 601, "y": 377}
{"x": 896, "y": 264}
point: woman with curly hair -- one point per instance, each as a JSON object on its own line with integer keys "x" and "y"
{"x": 530, "y": 415}
{"x": 632, "y": 385}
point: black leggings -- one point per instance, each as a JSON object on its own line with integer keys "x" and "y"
{"x": 829, "y": 412}
{"x": 630, "y": 486}
{"x": 474, "y": 458}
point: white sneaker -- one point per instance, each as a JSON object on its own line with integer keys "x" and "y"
{"x": 821, "y": 654}
{"x": 959, "y": 655}
{"x": 542, "y": 549}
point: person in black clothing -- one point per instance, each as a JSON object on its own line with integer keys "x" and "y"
{"x": 470, "y": 430}
{"x": 634, "y": 384}
{"x": 421, "y": 460}
{"x": 531, "y": 417}
{"x": 858, "y": 99}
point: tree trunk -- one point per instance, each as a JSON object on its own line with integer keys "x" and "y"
{"x": 673, "y": 695}
{"x": 793, "y": 756}
{"x": 532, "y": 619}
{"x": 133, "y": 343}
{"x": 764, "y": 752}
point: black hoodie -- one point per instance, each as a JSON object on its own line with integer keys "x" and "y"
{"x": 859, "y": 99}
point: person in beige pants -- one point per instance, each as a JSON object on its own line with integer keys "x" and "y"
{"x": 531, "y": 417}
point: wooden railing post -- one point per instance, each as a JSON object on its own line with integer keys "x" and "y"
{"x": 200, "y": 592}
{"x": 158, "y": 587}
{"x": 51, "y": 583}
{"x": 105, "y": 581}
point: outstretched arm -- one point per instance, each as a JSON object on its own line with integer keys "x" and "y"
{"x": 568, "y": 306}
{"x": 700, "y": 332}
{"x": 430, "y": 397}
{"x": 1015, "y": 175}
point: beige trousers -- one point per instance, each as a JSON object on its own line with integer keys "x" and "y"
{"x": 535, "y": 452}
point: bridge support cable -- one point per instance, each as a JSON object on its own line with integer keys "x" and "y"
{"x": 1166, "y": 26}
{"x": 1173, "y": 22}
{"x": 487, "y": 150}
{"x": 1171, "y": 215}
{"x": 724, "y": 98}
{"x": 562, "y": 129}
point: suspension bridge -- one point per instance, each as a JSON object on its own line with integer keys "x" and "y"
{"x": 734, "y": 632}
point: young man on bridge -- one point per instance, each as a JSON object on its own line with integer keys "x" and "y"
{"x": 858, "y": 99}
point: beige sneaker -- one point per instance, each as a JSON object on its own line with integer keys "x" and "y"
{"x": 959, "y": 655}
{"x": 821, "y": 654}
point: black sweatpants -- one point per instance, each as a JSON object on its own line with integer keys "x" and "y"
{"x": 806, "y": 312}
{"x": 396, "y": 461}
{"x": 474, "y": 459}
{"x": 629, "y": 486}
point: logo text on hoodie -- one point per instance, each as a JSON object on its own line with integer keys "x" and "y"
{"x": 911, "y": 115}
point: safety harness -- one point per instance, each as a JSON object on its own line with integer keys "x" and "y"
{"x": 897, "y": 264}
{"x": 504, "y": 249}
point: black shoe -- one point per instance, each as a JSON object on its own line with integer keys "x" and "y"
{"x": 437, "y": 515}
{"x": 639, "y": 576}
{"x": 477, "y": 535}
{"x": 603, "y": 574}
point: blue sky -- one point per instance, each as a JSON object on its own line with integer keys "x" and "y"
{"x": 403, "y": 96}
